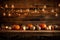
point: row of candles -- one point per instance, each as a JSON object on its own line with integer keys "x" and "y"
{"x": 13, "y": 6}
{"x": 43, "y": 10}
{"x": 30, "y": 27}
{"x": 27, "y": 11}
{"x": 27, "y": 14}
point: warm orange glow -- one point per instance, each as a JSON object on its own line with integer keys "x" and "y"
{"x": 34, "y": 28}
{"x": 10, "y": 28}
{"x": 43, "y": 25}
{"x": 25, "y": 14}
{"x": 44, "y": 6}
{"x": 16, "y": 27}
{"x": 27, "y": 10}
{"x": 12, "y": 6}
{"x": 43, "y": 10}
{"x": 24, "y": 28}
{"x": 19, "y": 14}
{"x": 30, "y": 25}
{"x": 56, "y": 14}
{"x": 21, "y": 10}
{"x": 4, "y": 14}
{"x": 6, "y": 6}
{"x": 49, "y": 27}
{"x": 35, "y": 10}
{"x": 6, "y": 27}
{"x": 9, "y": 14}
{"x": 59, "y": 4}
{"x": 52, "y": 10}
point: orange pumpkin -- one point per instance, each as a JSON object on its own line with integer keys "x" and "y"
{"x": 16, "y": 27}
{"x": 43, "y": 25}
{"x": 30, "y": 25}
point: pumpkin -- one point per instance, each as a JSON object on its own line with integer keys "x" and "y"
{"x": 16, "y": 27}
{"x": 43, "y": 25}
{"x": 30, "y": 25}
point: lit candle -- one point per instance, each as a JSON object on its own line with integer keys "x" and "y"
{"x": 10, "y": 28}
{"x": 34, "y": 28}
{"x": 52, "y": 10}
{"x": 9, "y": 14}
{"x": 6, "y": 27}
{"x": 6, "y": 6}
{"x": 49, "y": 27}
{"x": 35, "y": 10}
{"x": 27, "y": 10}
{"x": 44, "y": 6}
{"x": 39, "y": 28}
{"x": 12, "y": 6}
{"x": 43, "y": 10}
{"x": 56, "y": 14}
{"x": 4, "y": 14}
{"x": 21, "y": 10}
{"x": 24, "y": 28}
{"x": 25, "y": 14}
{"x": 19, "y": 14}
{"x": 59, "y": 4}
